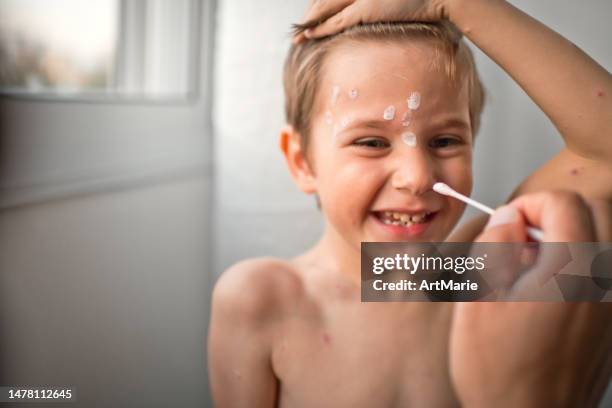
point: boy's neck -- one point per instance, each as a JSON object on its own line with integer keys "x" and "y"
{"x": 335, "y": 253}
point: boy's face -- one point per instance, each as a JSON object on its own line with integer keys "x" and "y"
{"x": 376, "y": 151}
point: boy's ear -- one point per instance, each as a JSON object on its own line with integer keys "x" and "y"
{"x": 295, "y": 156}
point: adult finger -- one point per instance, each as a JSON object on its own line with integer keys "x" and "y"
{"x": 574, "y": 259}
{"x": 563, "y": 216}
{"x": 321, "y": 10}
{"x": 347, "y": 17}
{"x": 299, "y": 38}
{"x": 506, "y": 225}
{"x": 537, "y": 282}
{"x": 601, "y": 211}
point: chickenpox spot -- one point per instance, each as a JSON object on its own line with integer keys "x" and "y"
{"x": 353, "y": 94}
{"x": 414, "y": 101}
{"x": 600, "y": 93}
{"x": 326, "y": 338}
{"x": 576, "y": 171}
{"x": 407, "y": 118}
{"x": 409, "y": 138}
{"x": 389, "y": 113}
{"x": 335, "y": 94}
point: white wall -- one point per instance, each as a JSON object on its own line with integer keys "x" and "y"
{"x": 109, "y": 293}
{"x": 105, "y": 246}
{"x": 258, "y": 209}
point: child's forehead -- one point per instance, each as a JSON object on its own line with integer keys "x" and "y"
{"x": 366, "y": 62}
{"x": 379, "y": 72}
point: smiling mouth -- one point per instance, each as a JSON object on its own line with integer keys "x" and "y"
{"x": 402, "y": 219}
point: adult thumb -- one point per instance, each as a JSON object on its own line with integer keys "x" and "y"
{"x": 505, "y": 225}
{"x": 345, "y": 18}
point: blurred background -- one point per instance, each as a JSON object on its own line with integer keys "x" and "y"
{"x": 139, "y": 159}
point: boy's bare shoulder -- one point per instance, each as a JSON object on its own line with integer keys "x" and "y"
{"x": 259, "y": 288}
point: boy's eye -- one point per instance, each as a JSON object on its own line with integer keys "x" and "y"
{"x": 445, "y": 141}
{"x": 372, "y": 142}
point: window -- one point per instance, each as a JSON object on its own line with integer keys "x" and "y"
{"x": 149, "y": 118}
{"x": 99, "y": 49}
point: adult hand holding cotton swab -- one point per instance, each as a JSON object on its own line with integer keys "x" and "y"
{"x": 444, "y": 189}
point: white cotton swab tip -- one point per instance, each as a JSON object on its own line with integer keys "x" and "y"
{"x": 444, "y": 189}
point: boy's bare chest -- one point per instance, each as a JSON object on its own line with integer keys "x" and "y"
{"x": 366, "y": 355}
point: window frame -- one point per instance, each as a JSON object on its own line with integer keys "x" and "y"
{"x": 55, "y": 148}
{"x": 135, "y": 11}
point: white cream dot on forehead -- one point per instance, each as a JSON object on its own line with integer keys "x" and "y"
{"x": 409, "y": 138}
{"x": 389, "y": 113}
{"x": 414, "y": 101}
{"x": 335, "y": 94}
{"x": 353, "y": 94}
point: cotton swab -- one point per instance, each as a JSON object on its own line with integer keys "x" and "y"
{"x": 444, "y": 189}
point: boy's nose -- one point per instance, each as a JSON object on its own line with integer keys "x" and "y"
{"x": 413, "y": 173}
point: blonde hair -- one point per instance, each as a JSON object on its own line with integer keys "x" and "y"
{"x": 306, "y": 61}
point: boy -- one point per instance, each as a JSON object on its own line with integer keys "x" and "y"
{"x": 377, "y": 115}
{"x": 552, "y": 70}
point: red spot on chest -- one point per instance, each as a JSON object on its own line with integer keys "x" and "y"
{"x": 326, "y": 338}
{"x": 577, "y": 171}
{"x": 600, "y": 93}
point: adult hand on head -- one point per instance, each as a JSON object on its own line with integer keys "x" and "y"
{"x": 328, "y": 17}
{"x": 528, "y": 353}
